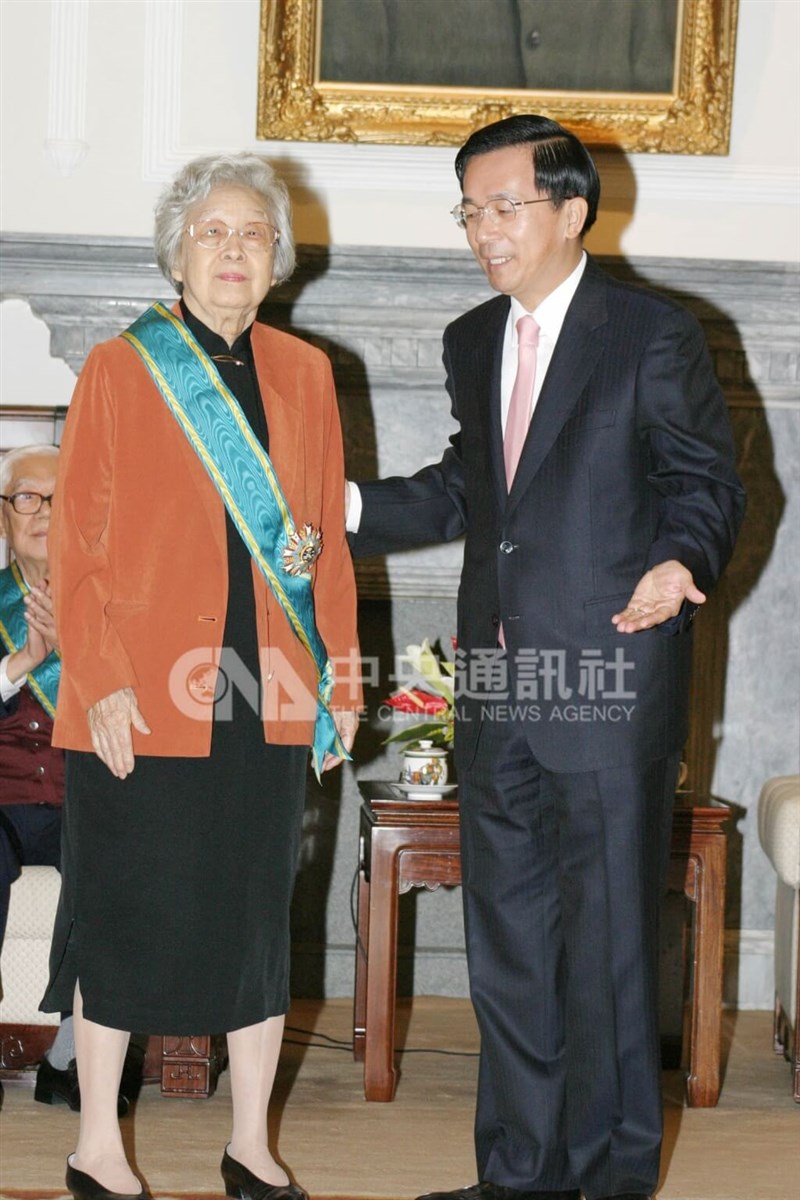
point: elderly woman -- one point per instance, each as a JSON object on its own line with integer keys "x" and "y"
{"x": 31, "y": 771}
{"x": 31, "y": 768}
{"x": 203, "y": 593}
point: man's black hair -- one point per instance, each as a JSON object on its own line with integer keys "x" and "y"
{"x": 562, "y": 166}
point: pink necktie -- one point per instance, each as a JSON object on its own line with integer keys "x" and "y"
{"x": 519, "y": 410}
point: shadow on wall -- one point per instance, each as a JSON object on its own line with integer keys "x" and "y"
{"x": 380, "y": 622}
{"x": 323, "y": 822}
{"x": 766, "y": 504}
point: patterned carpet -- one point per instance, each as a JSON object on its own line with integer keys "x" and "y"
{"x": 27, "y": 1194}
{"x": 38, "y": 1194}
{"x": 341, "y": 1148}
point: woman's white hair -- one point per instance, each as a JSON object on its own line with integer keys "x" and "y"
{"x": 10, "y": 460}
{"x": 194, "y": 182}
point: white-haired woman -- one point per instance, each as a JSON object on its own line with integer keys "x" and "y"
{"x": 203, "y": 591}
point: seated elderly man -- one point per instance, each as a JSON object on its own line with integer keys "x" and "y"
{"x": 31, "y": 770}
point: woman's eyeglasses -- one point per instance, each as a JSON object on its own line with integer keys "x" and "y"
{"x": 213, "y": 234}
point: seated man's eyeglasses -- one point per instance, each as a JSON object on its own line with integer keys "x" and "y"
{"x": 213, "y": 234}
{"x": 27, "y": 503}
{"x": 499, "y": 212}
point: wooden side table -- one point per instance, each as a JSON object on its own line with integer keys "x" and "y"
{"x": 403, "y": 844}
{"x": 416, "y": 843}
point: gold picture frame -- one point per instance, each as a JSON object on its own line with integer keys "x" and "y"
{"x": 294, "y": 104}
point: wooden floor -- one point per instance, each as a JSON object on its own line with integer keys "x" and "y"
{"x": 337, "y": 1145}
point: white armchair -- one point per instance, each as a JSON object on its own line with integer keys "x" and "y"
{"x": 779, "y": 833}
{"x": 25, "y": 1033}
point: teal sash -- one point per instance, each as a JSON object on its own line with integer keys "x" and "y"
{"x": 42, "y": 680}
{"x": 218, "y": 431}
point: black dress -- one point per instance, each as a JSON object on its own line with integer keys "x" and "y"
{"x": 177, "y": 881}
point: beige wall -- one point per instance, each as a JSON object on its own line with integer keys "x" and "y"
{"x": 162, "y": 81}
{"x": 103, "y": 99}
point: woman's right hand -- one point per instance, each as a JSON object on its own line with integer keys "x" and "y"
{"x": 110, "y": 721}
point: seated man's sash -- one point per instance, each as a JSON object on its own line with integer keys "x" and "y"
{"x": 241, "y": 471}
{"x": 42, "y": 680}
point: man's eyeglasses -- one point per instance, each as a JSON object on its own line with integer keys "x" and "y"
{"x": 258, "y": 235}
{"x": 27, "y": 503}
{"x": 499, "y": 212}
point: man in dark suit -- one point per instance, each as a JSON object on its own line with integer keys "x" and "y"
{"x": 572, "y": 45}
{"x": 594, "y": 530}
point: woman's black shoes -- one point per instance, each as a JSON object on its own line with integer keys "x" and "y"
{"x": 82, "y": 1187}
{"x": 244, "y": 1185}
{"x": 239, "y": 1182}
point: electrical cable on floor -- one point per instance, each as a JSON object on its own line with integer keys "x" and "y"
{"x": 332, "y": 1043}
{"x": 431, "y": 1050}
{"x": 325, "y": 1037}
{"x": 337, "y": 1043}
{"x": 316, "y": 1045}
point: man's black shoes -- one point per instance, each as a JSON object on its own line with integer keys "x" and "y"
{"x": 496, "y": 1191}
{"x": 61, "y": 1087}
{"x": 58, "y": 1087}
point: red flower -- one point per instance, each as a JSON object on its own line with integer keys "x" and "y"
{"x": 414, "y": 700}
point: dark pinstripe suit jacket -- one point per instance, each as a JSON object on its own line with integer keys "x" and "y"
{"x": 629, "y": 462}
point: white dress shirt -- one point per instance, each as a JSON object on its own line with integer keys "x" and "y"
{"x": 549, "y": 316}
{"x": 8, "y": 689}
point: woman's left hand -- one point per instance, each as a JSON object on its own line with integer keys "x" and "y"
{"x": 110, "y": 721}
{"x": 346, "y": 722}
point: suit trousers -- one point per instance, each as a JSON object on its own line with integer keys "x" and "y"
{"x": 563, "y": 876}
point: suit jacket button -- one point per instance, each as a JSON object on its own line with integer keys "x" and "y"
{"x": 495, "y": 620}
{"x": 33, "y": 726}
{"x": 507, "y": 547}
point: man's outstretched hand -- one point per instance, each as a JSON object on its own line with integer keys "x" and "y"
{"x": 658, "y": 597}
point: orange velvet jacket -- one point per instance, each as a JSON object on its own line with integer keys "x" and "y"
{"x": 139, "y": 561}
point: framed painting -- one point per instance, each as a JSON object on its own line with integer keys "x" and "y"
{"x": 637, "y": 75}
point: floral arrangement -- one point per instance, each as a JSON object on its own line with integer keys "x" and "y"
{"x": 435, "y": 706}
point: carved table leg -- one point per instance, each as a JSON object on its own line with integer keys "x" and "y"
{"x": 703, "y": 1083}
{"x": 189, "y": 1066}
{"x": 380, "y": 1077}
